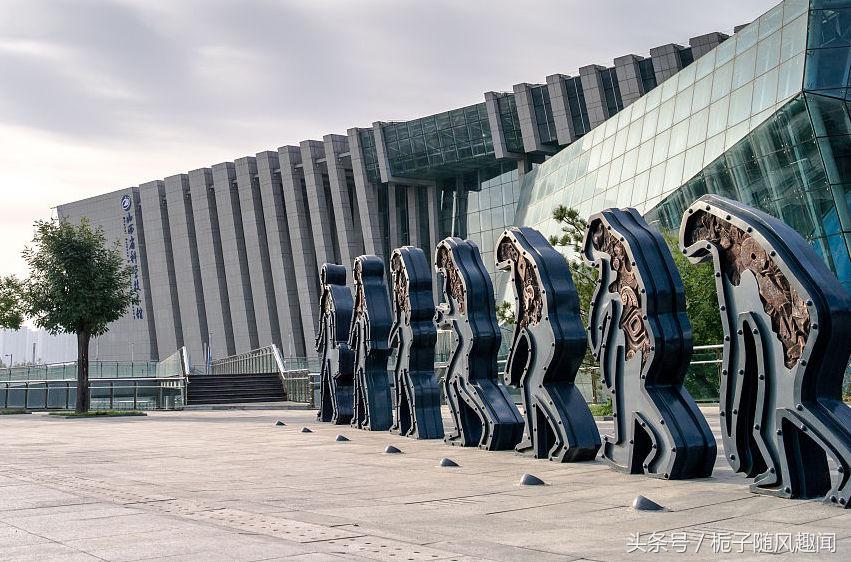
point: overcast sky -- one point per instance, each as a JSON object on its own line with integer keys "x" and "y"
{"x": 101, "y": 95}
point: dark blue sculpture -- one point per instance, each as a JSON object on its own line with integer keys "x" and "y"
{"x": 414, "y": 335}
{"x": 483, "y": 412}
{"x": 787, "y": 325}
{"x": 641, "y": 335}
{"x": 332, "y": 343}
{"x": 373, "y": 408}
{"x": 547, "y": 349}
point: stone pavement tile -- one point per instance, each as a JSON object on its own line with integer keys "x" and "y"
{"x": 187, "y": 540}
{"x": 27, "y": 495}
{"x": 45, "y": 551}
{"x": 800, "y": 512}
{"x": 481, "y": 548}
{"x": 60, "y": 528}
{"x": 389, "y": 550}
{"x": 74, "y": 512}
{"x": 307, "y": 516}
{"x": 12, "y": 536}
{"x": 553, "y": 512}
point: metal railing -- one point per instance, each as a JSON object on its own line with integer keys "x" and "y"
{"x": 299, "y": 375}
{"x": 113, "y": 385}
{"x": 66, "y": 371}
{"x": 105, "y": 394}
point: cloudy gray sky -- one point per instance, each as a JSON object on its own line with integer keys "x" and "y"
{"x": 100, "y": 95}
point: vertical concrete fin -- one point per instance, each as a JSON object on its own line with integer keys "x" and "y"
{"x": 259, "y": 269}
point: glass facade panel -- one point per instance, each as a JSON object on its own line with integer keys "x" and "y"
{"x": 736, "y": 124}
{"x": 426, "y": 145}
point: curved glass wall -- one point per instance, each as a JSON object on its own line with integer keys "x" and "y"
{"x": 761, "y": 118}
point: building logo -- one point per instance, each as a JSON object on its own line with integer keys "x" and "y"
{"x": 126, "y": 203}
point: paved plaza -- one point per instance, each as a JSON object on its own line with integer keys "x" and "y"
{"x": 231, "y": 485}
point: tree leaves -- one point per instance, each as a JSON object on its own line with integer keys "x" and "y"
{"x": 77, "y": 282}
{"x": 11, "y": 305}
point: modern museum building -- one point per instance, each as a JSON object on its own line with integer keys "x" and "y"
{"x": 229, "y": 256}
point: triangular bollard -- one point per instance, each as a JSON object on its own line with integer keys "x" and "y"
{"x": 531, "y": 480}
{"x": 390, "y": 449}
{"x": 640, "y": 503}
{"x": 447, "y": 462}
{"x": 306, "y": 430}
{"x": 279, "y": 422}
{"x": 341, "y": 438}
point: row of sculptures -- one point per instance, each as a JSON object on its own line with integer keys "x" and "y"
{"x": 786, "y": 319}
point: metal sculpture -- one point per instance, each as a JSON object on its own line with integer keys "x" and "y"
{"x": 481, "y": 408}
{"x": 373, "y": 408}
{"x": 641, "y": 335}
{"x": 787, "y": 325}
{"x": 332, "y": 342}
{"x": 547, "y": 349}
{"x": 414, "y": 335}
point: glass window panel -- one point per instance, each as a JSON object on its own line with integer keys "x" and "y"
{"x": 765, "y": 91}
{"x": 701, "y": 94}
{"x": 790, "y": 77}
{"x": 645, "y": 155}
{"x": 697, "y": 127}
{"x": 704, "y": 65}
{"x": 630, "y": 160}
{"x": 634, "y": 136}
{"x": 722, "y": 79}
{"x": 735, "y": 134}
{"x": 606, "y": 152}
{"x": 639, "y": 188}
{"x": 657, "y": 180}
{"x": 714, "y": 148}
{"x": 740, "y": 104}
{"x": 602, "y": 178}
{"x": 686, "y": 77}
{"x": 648, "y": 129}
{"x": 830, "y": 28}
{"x": 725, "y": 51}
{"x": 673, "y": 173}
{"x": 794, "y": 8}
{"x": 771, "y": 21}
{"x": 669, "y": 87}
{"x": 793, "y": 38}
{"x": 653, "y": 98}
{"x": 615, "y": 171}
{"x": 682, "y": 107}
{"x": 767, "y": 54}
{"x": 837, "y": 157}
{"x": 827, "y": 68}
{"x": 693, "y": 161}
{"x": 666, "y": 116}
{"x": 620, "y": 142}
{"x": 718, "y": 116}
{"x": 829, "y": 116}
{"x": 660, "y": 147}
{"x": 746, "y": 38}
{"x": 624, "y": 193}
{"x": 743, "y": 68}
{"x": 679, "y": 137}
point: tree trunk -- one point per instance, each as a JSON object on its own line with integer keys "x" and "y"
{"x": 83, "y": 338}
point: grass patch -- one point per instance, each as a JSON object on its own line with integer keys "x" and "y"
{"x": 601, "y": 409}
{"x": 12, "y": 411}
{"x": 98, "y": 413}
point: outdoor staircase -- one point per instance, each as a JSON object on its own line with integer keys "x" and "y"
{"x": 234, "y": 389}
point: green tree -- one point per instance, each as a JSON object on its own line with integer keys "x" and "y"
{"x": 78, "y": 284}
{"x": 11, "y": 305}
